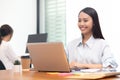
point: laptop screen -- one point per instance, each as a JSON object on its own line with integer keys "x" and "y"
{"x": 35, "y": 38}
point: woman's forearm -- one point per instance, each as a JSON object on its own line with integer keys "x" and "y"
{"x": 89, "y": 65}
{"x": 74, "y": 64}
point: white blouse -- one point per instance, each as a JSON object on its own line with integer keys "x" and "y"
{"x": 7, "y": 55}
{"x": 95, "y": 51}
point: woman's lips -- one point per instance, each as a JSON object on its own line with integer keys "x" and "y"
{"x": 82, "y": 28}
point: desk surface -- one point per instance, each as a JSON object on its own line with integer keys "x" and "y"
{"x": 33, "y": 75}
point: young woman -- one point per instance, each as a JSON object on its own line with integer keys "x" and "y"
{"x": 90, "y": 50}
{"x": 7, "y": 55}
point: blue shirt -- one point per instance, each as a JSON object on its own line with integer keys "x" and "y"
{"x": 95, "y": 51}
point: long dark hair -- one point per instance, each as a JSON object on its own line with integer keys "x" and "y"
{"x": 96, "y": 30}
{"x": 5, "y": 30}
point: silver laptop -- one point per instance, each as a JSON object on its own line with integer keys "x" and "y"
{"x": 48, "y": 56}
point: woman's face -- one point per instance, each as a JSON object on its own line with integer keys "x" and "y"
{"x": 85, "y": 23}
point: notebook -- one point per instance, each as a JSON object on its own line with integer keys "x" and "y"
{"x": 48, "y": 56}
{"x": 94, "y": 74}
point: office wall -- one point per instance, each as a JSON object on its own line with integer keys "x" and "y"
{"x": 109, "y": 15}
{"x": 21, "y": 15}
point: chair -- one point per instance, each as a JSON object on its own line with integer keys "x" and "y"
{"x": 2, "y": 67}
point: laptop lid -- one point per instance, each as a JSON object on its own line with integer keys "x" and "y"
{"x": 49, "y": 56}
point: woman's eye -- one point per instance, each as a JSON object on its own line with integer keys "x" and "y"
{"x": 85, "y": 20}
{"x": 79, "y": 20}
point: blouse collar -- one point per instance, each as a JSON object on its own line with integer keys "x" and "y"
{"x": 89, "y": 42}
